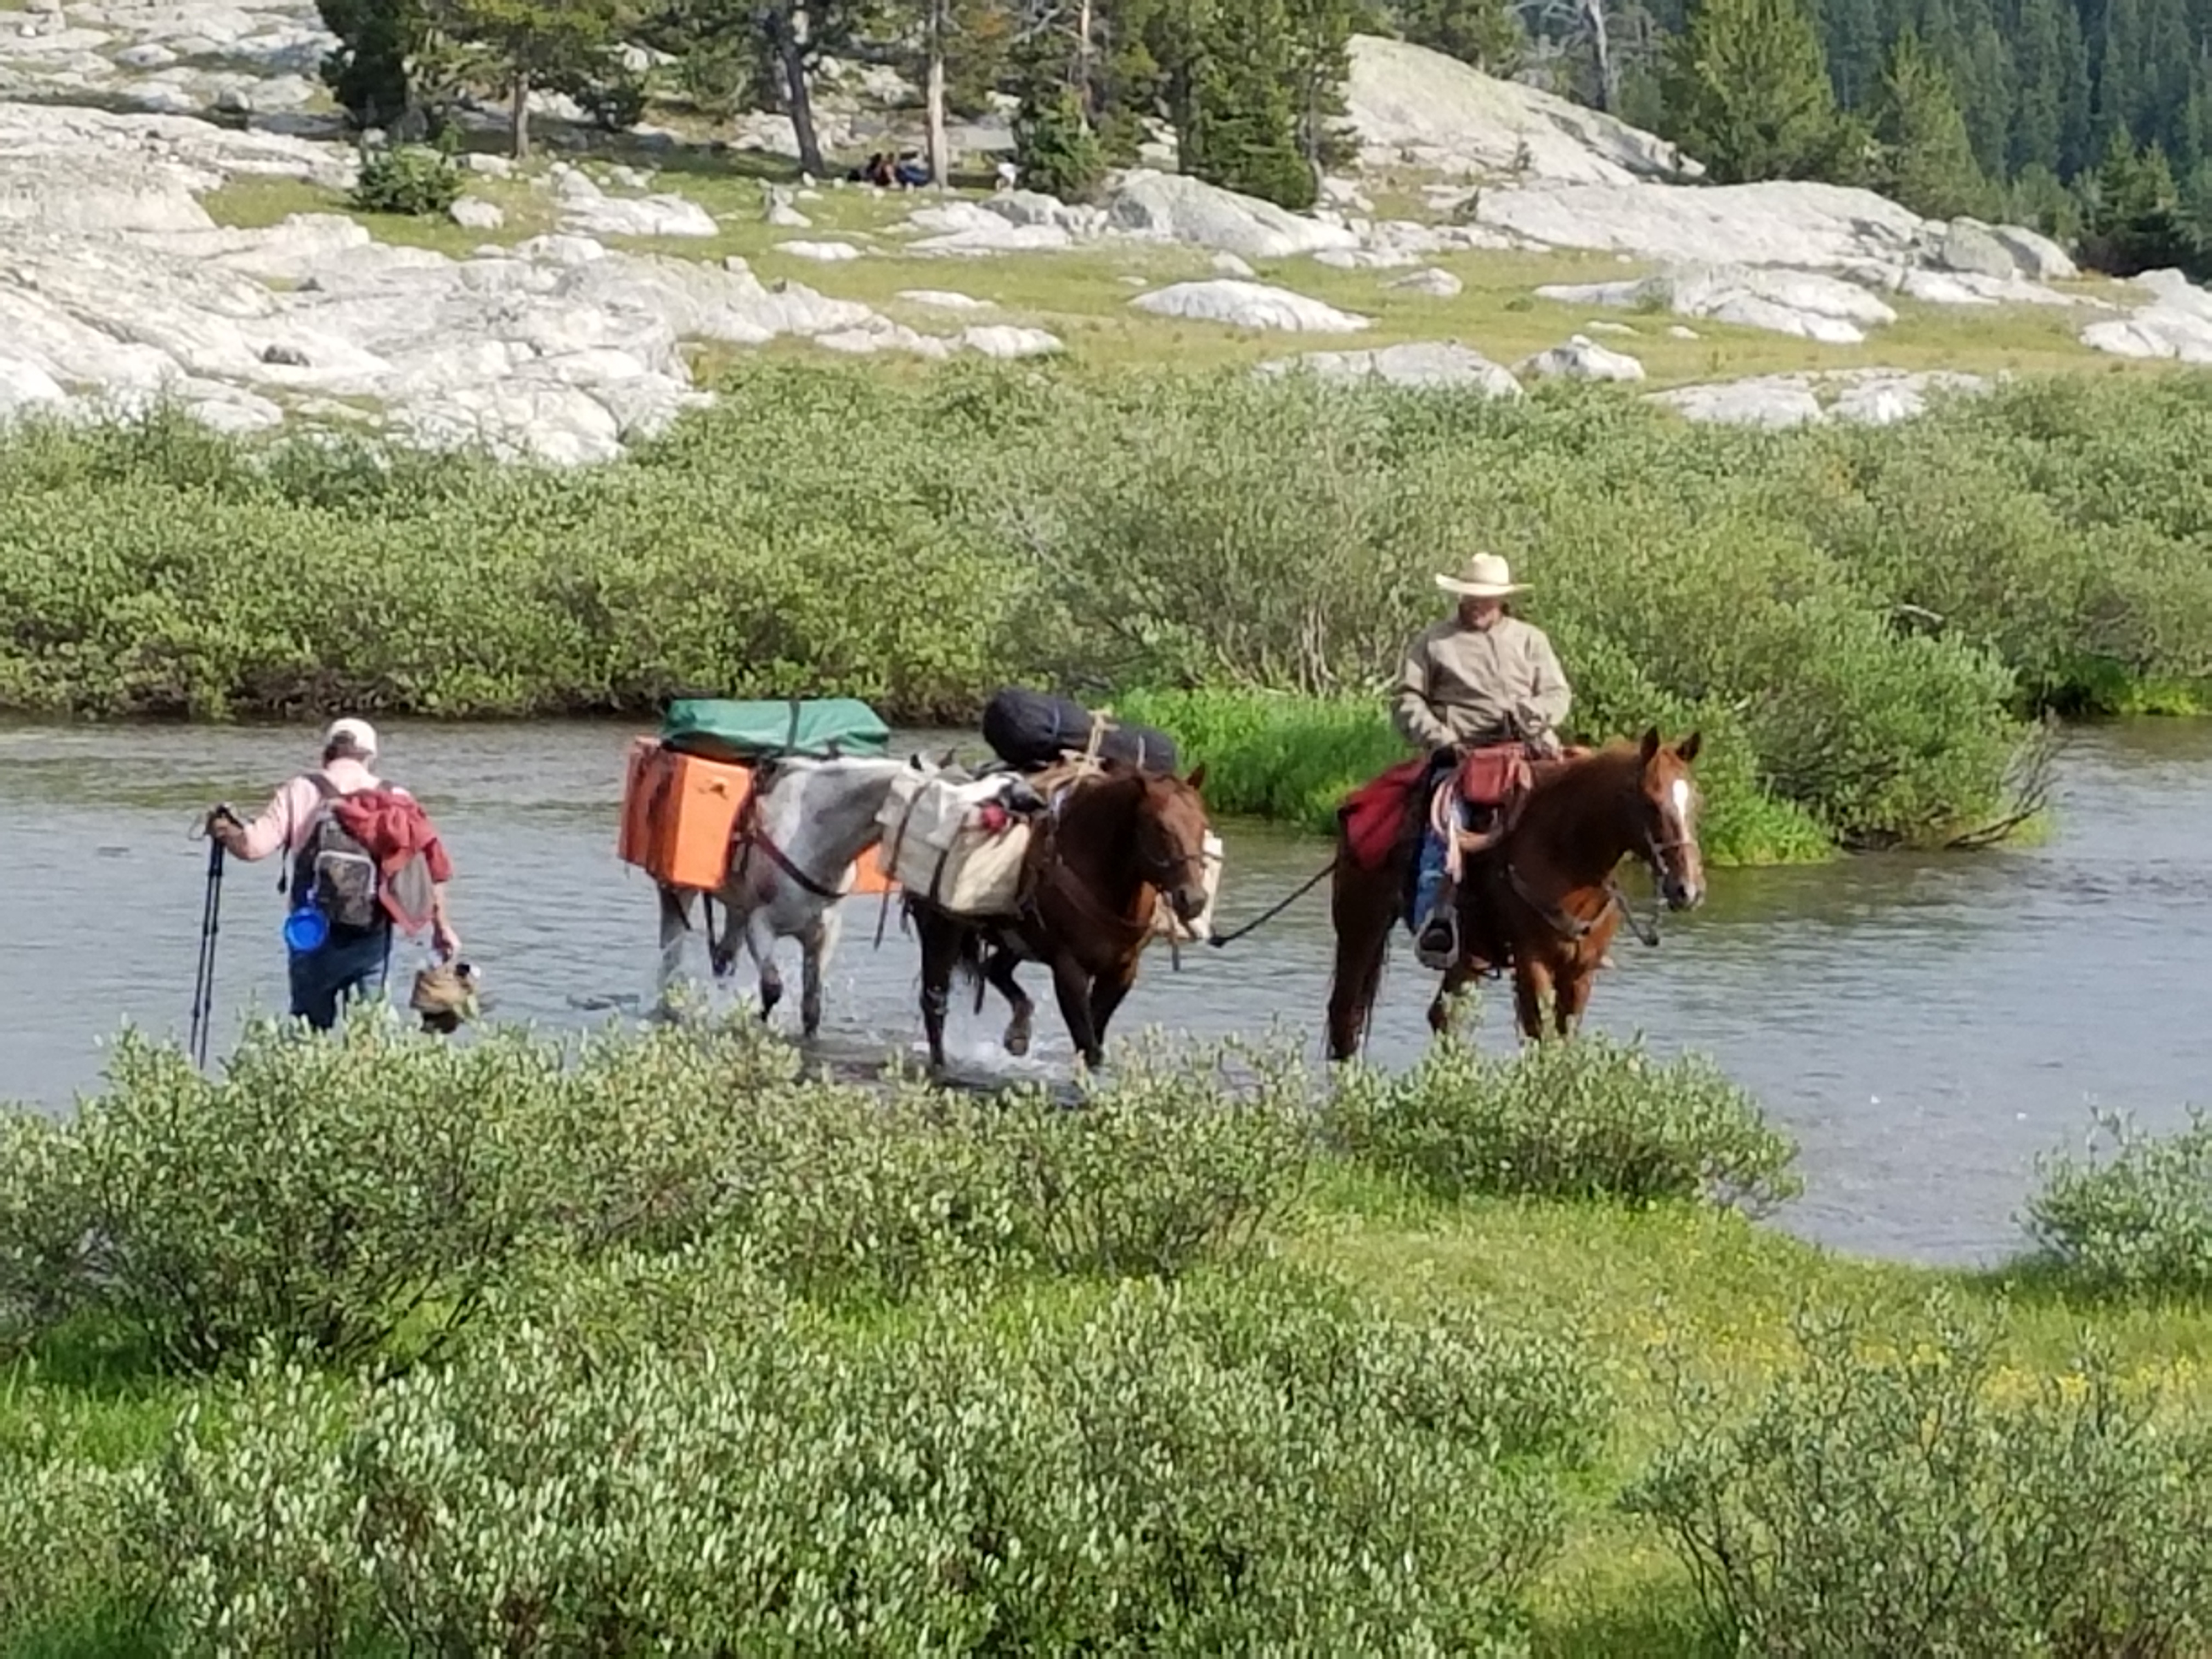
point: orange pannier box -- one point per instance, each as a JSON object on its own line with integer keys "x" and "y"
{"x": 679, "y": 810}
{"x": 678, "y": 813}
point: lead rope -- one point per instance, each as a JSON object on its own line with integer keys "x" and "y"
{"x": 1217, "y": 940}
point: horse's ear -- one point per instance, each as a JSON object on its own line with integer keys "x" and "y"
{"x": 1197, "y": 778}
{"x": 1651, "y": 744}
{"x": 1687, "y": 750}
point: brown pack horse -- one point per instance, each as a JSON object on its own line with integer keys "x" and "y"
{"x": 1543, "y": 900}
{"x": 1097, "y": 866}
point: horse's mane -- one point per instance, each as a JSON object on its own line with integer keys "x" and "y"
{"x": 1562, "y": 790}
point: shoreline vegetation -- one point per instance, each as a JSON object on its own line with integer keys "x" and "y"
{"x": 1867, "y": 624}
{"x": 525, "y": 1345}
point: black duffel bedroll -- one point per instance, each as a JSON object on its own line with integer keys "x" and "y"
{"x": 1029, "y": 729}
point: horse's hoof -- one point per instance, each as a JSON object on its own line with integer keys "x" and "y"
{"x": 1018, "y": 1039}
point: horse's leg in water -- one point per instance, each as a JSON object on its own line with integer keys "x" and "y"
{"x": 1072, "y": 985}
{"x": 999, "y": 968}
{"x": 1532, "y": 981}
{"x": 819, "y": 940}
{"x": 675, "y": 928}
{"x": 1362, "y": 908}
{"x": 1108, "y": 991}
{"x": 1570, "y": 994}
{"x": 941, "y": 949}
{"x": 760, "y": 946}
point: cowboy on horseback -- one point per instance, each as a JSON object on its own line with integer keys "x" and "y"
{"x": 1481, "y": 679}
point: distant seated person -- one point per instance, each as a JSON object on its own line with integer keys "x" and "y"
{"x": 912, "y": 171}
{"x": 876, "y": 170}
{"x": 1009, "y": 175}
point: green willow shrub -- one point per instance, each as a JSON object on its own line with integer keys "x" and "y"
{"x": 1860, "y": 617}
{"x": 1183, "y": 1154}
{"x": 417, "y": 181}
{"x": 1921, "y": 1499}
{"x": 1156, "y": 1469}
{"x": 42, "y": 1226}
{"x": 2140, "y": 1218}
{"x": 61, "y": 1517}
{"x": 1591, "y": 1119}
{"x": 238, "y": 1529}
{"x": 312, "y": 1194}
{"x": 337, "y": 1194}
{"x": 330, "y": 1194}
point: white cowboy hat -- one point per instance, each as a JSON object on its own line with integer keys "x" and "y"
{"x": 1487, "y": 577}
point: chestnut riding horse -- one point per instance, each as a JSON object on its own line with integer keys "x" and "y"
{"x": 1098, "y": 862}
{"x": 1543, "y": 900}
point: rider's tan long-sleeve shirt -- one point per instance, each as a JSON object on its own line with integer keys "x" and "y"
{"x": 1462, "y": 685}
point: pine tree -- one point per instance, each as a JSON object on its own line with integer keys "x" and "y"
{"x": 1929, "y": 165}
{"x": 2038, "y": 198}
{"x": 2136, "y": 220}
{"x": 2118, "y": 69}
{"x": 2077, "y": 99}
{"x": 1748, "y": 92}
{"x": 524, "y": 46}
{"x": 2161, "y": 100}
{"x": 1319, "y": 33}
{"x": 367, "y": 72}
{"x": 1486, "y": 34}
{"x": 2038, "y": 98}
{"x": 1852, "y": 37}
{"x": 2197, "y": 210}
{"x": 1242, "y": 131}
{"x": 1987, "y": 85}
{"x": 1054, "y": 147}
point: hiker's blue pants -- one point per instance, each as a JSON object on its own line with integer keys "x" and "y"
{"x": 343, "y": 968}
{"x": 1432, "y": 874}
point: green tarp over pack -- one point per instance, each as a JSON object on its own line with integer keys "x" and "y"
{"x": 814, "y": 728}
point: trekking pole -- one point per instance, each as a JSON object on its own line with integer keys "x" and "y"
{"x": 210, "y": 926}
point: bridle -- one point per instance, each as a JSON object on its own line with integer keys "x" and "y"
{"x": 1655, "y": 850}
{"x": 750, "y": 833}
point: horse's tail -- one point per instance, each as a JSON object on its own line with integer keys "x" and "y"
{"x": 967, "y": 963}
{"x": 967, "y": 951}
{"x": 1364, "y": 906}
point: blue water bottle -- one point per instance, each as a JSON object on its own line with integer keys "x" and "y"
{"x": 306, "y": 929}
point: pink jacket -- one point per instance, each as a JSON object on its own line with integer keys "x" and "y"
{"x": 282, "y": 825}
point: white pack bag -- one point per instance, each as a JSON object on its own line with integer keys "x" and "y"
{"x": 937, "y": 847}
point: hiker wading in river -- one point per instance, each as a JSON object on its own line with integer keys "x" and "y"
{"x": 364, "y": 859}
{"x": 1478, "y": 679}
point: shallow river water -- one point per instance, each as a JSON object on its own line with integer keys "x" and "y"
{"x": 1923, "y": 1024}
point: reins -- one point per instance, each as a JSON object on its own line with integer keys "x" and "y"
{"x": 1217, "y": 940}
{"x": 1576, "y": 928}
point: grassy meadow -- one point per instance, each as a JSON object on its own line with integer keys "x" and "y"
{"x": 1483, "y": 1357}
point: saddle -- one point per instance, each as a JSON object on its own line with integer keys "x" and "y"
{"x": 1494, "y": 782}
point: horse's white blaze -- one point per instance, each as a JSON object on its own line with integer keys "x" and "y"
{"x": 1680, "y": 791}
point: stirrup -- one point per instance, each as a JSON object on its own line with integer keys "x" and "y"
{"x": 1436, "y": 946}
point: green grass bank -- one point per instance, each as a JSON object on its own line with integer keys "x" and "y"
{"x": 649, "y": 1341}
{"x": 1860, "y": 619}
